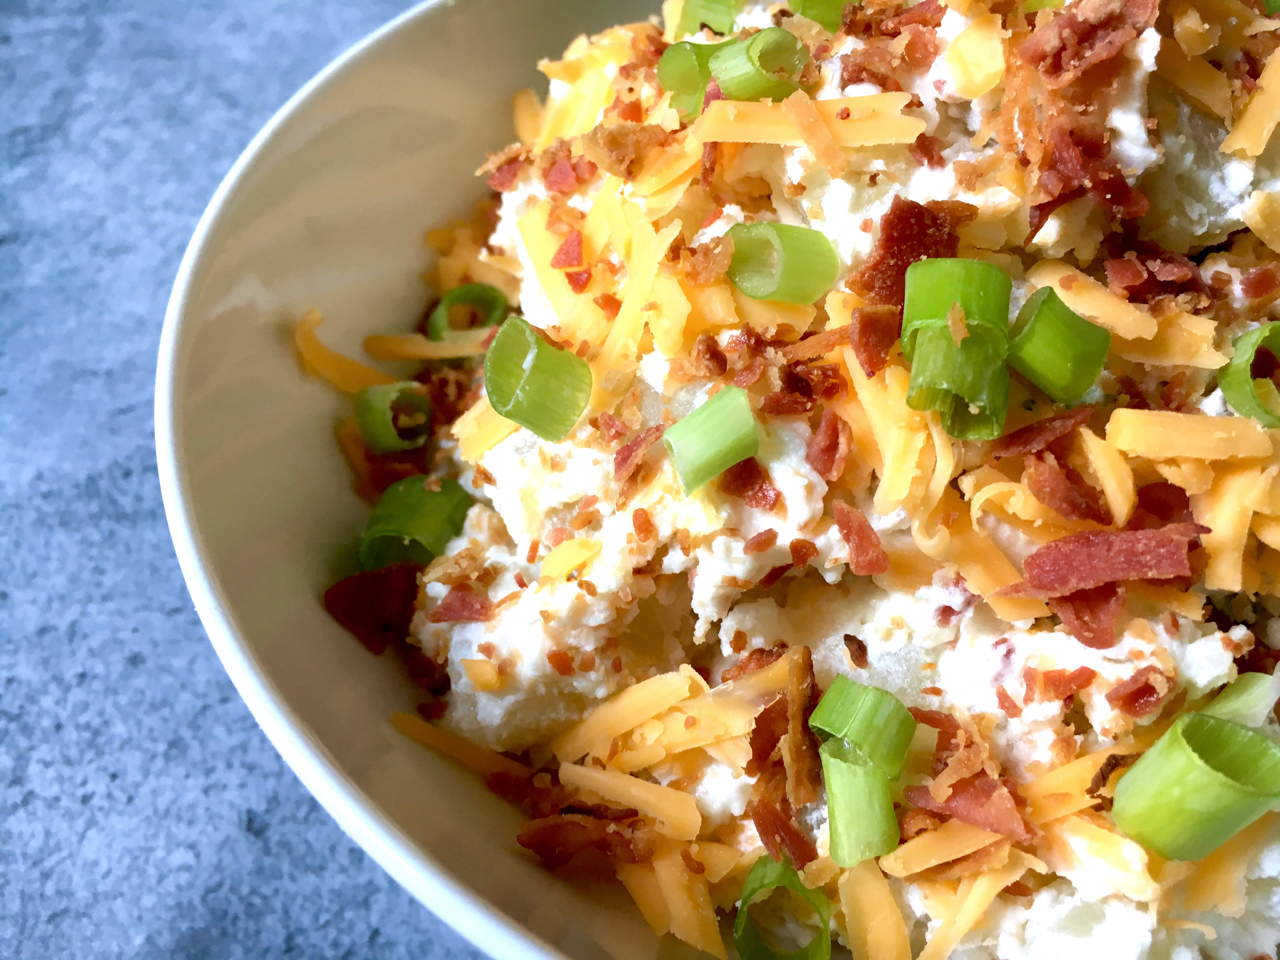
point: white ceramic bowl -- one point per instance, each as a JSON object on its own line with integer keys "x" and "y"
{"x": 327, "y": 208}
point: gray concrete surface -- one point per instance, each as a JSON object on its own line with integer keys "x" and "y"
{"x": 142, "y": 812}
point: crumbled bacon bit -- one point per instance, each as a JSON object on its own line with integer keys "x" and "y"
{"x": 773, "y": 576}
{"x": 642, "y": 524}
{"x": 1261, "y": 282}
{"x": 1090, "y": 615}
{"x": 486, "y": 649}
{"x": 843, "y": 113}
{"x": 561, "y": 662}
{"x": 629, "y": 457}
{"x": 505, "y": 177}
{"x": 707, "y": 262}
{"x": 1036, "y": 436}
{"x": 558, "y": 535}
{"x": 622, "y": 148}
{"x": 1079, "y": 161}
{"x": 800, "y": 746}
{"x": 922, "y": 46}
{"x": 757, "y": 659}
{"x": 762, "y": 541}
{"x": 1064, "y": 489}
{"x": 1159, "y": 504}
{"x": 707, "y": 363}
{"x": 462, "y": 605}
{"x": 931, "y": 691}
{"x": 1080, "y": 561}
{"x": 873, "y": 65}
{"x": 578, "y": 281}
{"x": 375, "y": 606}
{"x": 561, "y": 176}
{"x": 828, "y": 450}
{"x": 559, "y": 838}
{"x": 818, "y": 345}
{"x": 927, "y": 151}
{"x": 1065, "y": 45}
{"x": 857, "y": 651}
{"x": 608, "y": 303}
{"x": 916, "y": 821}
{"x": 611, "y": 427}
{"x": 616, "y": 665}
{"x": 802, "y": 551}
{"x": 521, "y": 582}
{"x": 779, "y": 834}
{"x": 750, "y": 374}
{"x": 909, "y": 231}
{"x": 531, "y": 556}
{"x": 781, "y": 403}
{"x": 936, "y": 719}
{"x": 981, "y": 800}
{"x": 926, "y": 13}
{"x": 1142, "y": 693}
{"x": 1060, "y": 684}
{"x": 569, "y": 253}
{"x": 1007, "y": 703}
{"x": 873, "y": 331}
{"x": 750, "y": 482}
{"x": 866, "y": 555}
{"x": 1148, "y": 272}
{"x": 825, "y": 380}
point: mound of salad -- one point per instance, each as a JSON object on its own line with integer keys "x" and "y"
{"x": 840, "y": 487}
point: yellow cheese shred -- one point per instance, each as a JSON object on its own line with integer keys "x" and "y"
{"x": 1061, "y": 791}
{"x": 1218, "y": 881}
{"x": 1093, "y": 301}
{"x": 873, "y": 922}
{"x": 816, "y": 135}
{"x": 975, "y": 895}
{"x": 414, "y": 346}
{"x": 527, "y": 114}
{"x": 871, "y": 120}
{"x": 480, "y": 759}
{"x": 569, "y": 556}
{"x": 951, "y": 841}
{"x": 675, "y": 813}
{"x": 1181, "y": 339}
{"x": 1195, "y": 77}
{"x": 1113, "y": 474}
{"x": 620, "y": 713}
{"x": 1262, "y": 216}
{"x": 693, "y": 916}
{"x": 1193, "y": 476}
{"x": 577, "y": 315}
{"x": 481, "y": 429}
{"x": 984, "y": 567}
{"x": 1077, "y": 842}
{"x": 1227, "y": 510}
{"x": 1166, "y": 435}
{"x": 976, "y": 56}
{"x": 349, "y": 376}
{"x": 1256, "y": 124}
{"x": 641, "y": 881}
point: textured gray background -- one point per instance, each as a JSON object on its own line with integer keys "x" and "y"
{"x": 142, "y": 812}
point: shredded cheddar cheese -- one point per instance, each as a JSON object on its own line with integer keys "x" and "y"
{"x": 976, "y": 56}
{"x": 481, "y": 429}
{"x": 479, "y": 759}
{"x": 1166, "y": 435}
{"x": 1262, "y": 214}
{"x": 569, "y": 556}
{"x": 1093, "y": 301}
{"x": 1253, "y": 130}
{"x": 349, "y": 376}
{"x": 871, "y": 120}
{"x": 951, "y": 841}
{"x": 873, "y": 921}
{"x": 674, "y": 812}
{"x": 1195, "y": 77}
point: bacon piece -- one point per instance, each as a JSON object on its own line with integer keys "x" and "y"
{"x": 779, "y": 834}
{"x": 559, "y": 838}
{"x": 828, "y": 450}
{"x": 762, "y": 541}
{"x": 980, "y": 800}
{"x": 818, "y": 345}
{"x": 1007, "y": 703}
{"x": 1034, "y": 437}
{"x": 1148, "y": 272}
{"x": 857, "y": 651}
{"x": 825, "y": 380}
{"x": 781, "y": 403}
{"x": 1079, "y": 161}
{"x": 1063, "y": 489}
{"x": 629, "y": 457}
{"x": 1142, "y": 693}
{"x": 922, "y": 46}
{"x": 752, "y": 661}
{"x": 916, "y": 821}
{"x": 461, "y": 605}
{"x": 569, "y": 253}
{"x": 1087, "y": 33}
{"x": 873, "y": 65}
{"x": 1261, "y": 282}
{"x": 376, "y": 606}
{"x": 909, "y": 231}
{"x": 802, "y": 551}
{"x": 927, "y": 13}
{"x": 609, "y": 304}
{"x": 505, "y": 177}
{"x": 706, "y": 263}
{"x": 1159, "y": 504}
{"x": 750, "y": 374}
{"x": 942, "y": 722}
{"x": 1090, "y": 615}
{"x": 560, "y": 177}
{"x": 611, "y": 427}
{"x": 927, "y": 151}
{"x": 1113, "y": 762}
{"x": 622, "y": 148}
{"x": 800, "y": 746}
{"x": 872, "y": 333}
{"x": 1060, "y": 684}
{"x": 537, "y": 801}
{"x": 866, "y": 555}
{"x": 750, "y": 482}
{"x": 1090, "y": 559}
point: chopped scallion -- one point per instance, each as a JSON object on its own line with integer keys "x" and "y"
{"x": 1249, "y": 397}
{"x": 776, "y": 261}
{"x": 713, "y": 438}
{"x": 1202, "y": 782}
{"x": 872, "y": 720}
{"x": 716, "y": 14}
{"x": 1055, "y": 348}
{"x": 1031, "y": 6}
{"x": 1246, "y": 700}
{"x": 765, "y": 876}
{"x": 394, "y": 416}
{"x": 537, "y": 385}
{"x": 413, "y": 521}
{"x": 859, "y": 805}
{"x": 967, "y": 382}
{"x": 936, "y": 285}
{"x": 489, "y": 304}
{"x": 765, "y": 66}
{"x": 828, "y": 14}
{"x": 683, "y": 71}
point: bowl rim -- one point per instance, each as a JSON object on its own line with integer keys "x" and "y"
{"x": 460, "y": 907}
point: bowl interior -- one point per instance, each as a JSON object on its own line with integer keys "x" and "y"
{"x": 328, "y": 208}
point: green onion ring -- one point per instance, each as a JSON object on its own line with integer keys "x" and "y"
{"x": 1246, "y": 700}
{"x": 684, "y": 69}
{"x": 828, "y": 14}
{"x": 1055, "y": 348}
{"x": 777, "y": 261}
{"x": 539, "y": 386}
{"x": 873, "y": 721}
{"x": 765, "y": 66}
{"x": 860, "y": 814}
{"x": 1248, "y": 397}
{"x": 413, "y": 522}
{"x": 719, "y": 15}
{"x": 712, "y": 438}
{"x": 379, "y": 408}
{"x": 488, "y": 301}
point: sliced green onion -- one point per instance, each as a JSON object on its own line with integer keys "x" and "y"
{"x": 764, "y": 66}
{"x": 488, "y": 302}
{"x": 1272, "y": 7}
{"x": 713, "y": 438}
{"x": 683, "y": 71}
{"x": 537, "y": 385}
{"x": 765, "y": 876}
{"x": 1247, "y": 700}
{"x": 967, "y": 383}
{"x": 393, "y": 416}
{"x": 934, "y": 286}
{"x": 1201, "y": 783}
{"x": 1031, "y": 6}
{"x": 859, "y": 805}
{"x": 829, "y": 14}
{"x": 719, "y": 15}
{"x": 1248, "y": 397}
{"x": 775, "y": 261}
{"x": 413, "y": 522}
{"x": 872, "y": 720}
{"x": 1055, "y": 348}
